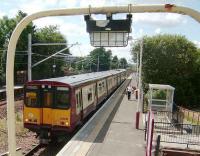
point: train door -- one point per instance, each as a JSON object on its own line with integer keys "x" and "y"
{"x": 47, "y": 103}
{"x": 79, "y": 103}
{"x": 107, "y": 87}
{"x": 95, "y": 94}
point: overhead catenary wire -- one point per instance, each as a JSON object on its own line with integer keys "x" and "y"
{"x": 54, "y": 57}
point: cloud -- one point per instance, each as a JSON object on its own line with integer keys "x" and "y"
{"x": 122, "y": 52}
{"x": 197, "y": 43}
{"x": 85, "y": 49}
{"x": 2, "y": 14}
{"x": 73, "y": 30}
{"x": 81, "y": 50}
{"x": 33, "y": 6}
{"x": 67, "y": 4}
{"x": 41, "y": 5}
{"x": 42, "y": 22}
{"x": 13, "y": 12}
{"x": 158, "y": 31}
{"x": 160, "y": 19}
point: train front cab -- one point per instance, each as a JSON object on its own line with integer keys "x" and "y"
{"x": 47, "y": 109}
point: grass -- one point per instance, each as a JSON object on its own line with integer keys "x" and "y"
{"x": 20, "y": 130}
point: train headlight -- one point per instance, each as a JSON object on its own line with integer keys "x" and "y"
{"x": 67, "y": 123}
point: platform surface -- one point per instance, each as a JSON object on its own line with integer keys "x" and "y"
{"x": 119, "y": 137}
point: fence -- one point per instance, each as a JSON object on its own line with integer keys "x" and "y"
{"x": 172, "y": 129}
{"x": 178, "y": 133}
{"x": 190, "y": 116}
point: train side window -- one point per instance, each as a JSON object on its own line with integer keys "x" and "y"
{"x": 100, "y": 87}
{"x": 103, "y": 84}
{"x": 90, "y": 94}
{"x": 77, "y": 99}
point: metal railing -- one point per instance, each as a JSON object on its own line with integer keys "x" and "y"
{"x": 178, "y": 133}
{"x": 173, "y": 129}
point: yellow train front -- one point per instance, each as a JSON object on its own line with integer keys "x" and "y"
{"x": 54, "y": 107}
{"x": 47, "y": 108}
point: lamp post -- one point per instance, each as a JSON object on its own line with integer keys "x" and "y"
{"x": 54, "y": 69}
{"x": 139, "y": 103}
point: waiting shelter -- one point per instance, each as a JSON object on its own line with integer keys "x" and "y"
{"x": 160, "y": 97}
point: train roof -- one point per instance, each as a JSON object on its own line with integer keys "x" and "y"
{"x": 83, "y": 78}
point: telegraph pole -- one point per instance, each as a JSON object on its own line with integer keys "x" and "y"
{"x": 29, "y": 57}
{"x": 98, "y": 64}
{"x": 90, "y": 66}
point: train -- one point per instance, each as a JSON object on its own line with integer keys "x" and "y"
{"x": 55, "y": 107}
{"x": 18, "y": 92}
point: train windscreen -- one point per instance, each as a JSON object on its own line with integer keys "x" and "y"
{"x": 31, "y": 96}
{"x": 62, "y": 99}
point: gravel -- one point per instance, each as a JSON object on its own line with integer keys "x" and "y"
{"x": 25, "y": 139}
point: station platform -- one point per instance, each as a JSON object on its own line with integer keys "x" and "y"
{"x": 114, "y": 135}
{"x": 121, "y": 138}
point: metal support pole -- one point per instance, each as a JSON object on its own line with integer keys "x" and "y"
{"x": 29, "y": 57}
{"x": 137, "y": 67}
{"x": 98, "y": 64}
{"x": 140, "y": 76}
{"x": 139, "y": 87}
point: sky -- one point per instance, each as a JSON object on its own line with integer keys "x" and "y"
{"x": 74, "y": 27}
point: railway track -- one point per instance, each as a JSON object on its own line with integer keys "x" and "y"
{"x": 50, "y": 149}
{"x": 36, "y": 148}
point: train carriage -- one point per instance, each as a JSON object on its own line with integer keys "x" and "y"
{"x": 60, "y": 104}
{"x": 18, "y": 93}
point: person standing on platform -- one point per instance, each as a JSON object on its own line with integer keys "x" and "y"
{"x": 129, "y": 90}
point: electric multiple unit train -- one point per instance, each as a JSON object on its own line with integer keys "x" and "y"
{"x": 56, "y": 106}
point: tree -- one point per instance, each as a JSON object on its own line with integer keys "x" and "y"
{"x": 7, "y": 26}
{"x": 53, "y": 66}
{"x": 48, "y": 34}
{"x": 100, "y": 57}
{"x": 123, "y": 63}
{"x": 115, "y": 63}
{"x": 171, "y": 59}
